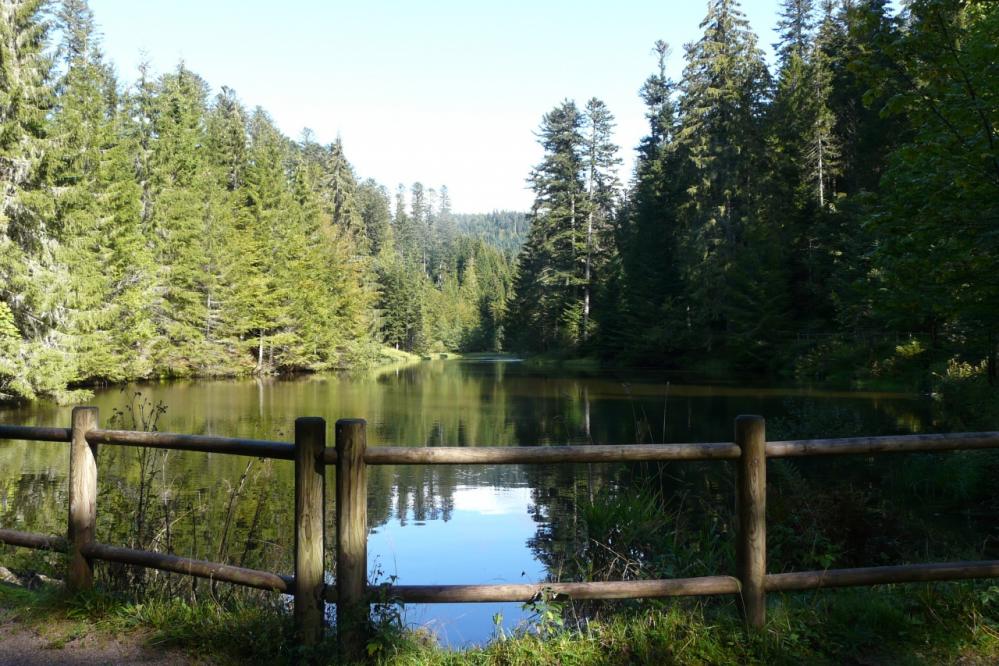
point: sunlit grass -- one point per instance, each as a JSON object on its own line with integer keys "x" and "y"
{"x": 912, "y": 624}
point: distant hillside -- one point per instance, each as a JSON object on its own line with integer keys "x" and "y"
{"x": 505, "y": 229}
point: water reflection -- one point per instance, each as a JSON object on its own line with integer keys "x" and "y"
{"x": 430, "y": 524}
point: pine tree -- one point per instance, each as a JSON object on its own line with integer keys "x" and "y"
{"x": 546, "y": 308}
{"x": 329, "y": 300}
{"x": 97, "y": 206}
{"x": 227, "y": 139}
{"x": 601, "y": 163}
{"x": 261, "y": 312}
{"x": 341, "y": 185}
{"x": 373, "y": 204}
{"x": 794, "y": 28}
{"x": 28, "y": 275}
{"x": 823, "y": 151}
{"x": 419, "y": 217}
{"x": 646, "y": 316}
{"x": 720, "y": 141}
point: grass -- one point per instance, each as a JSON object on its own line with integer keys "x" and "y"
{"x": 924, "y": 624}
{"x": 391, "y": 356}
{"x": 914, "y": 624}
{"x": 235, "y": 633}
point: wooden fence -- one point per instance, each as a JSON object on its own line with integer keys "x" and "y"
{"x": 351, "y": 456}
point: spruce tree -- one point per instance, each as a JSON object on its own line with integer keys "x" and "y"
{"x": 647, "y": 313}
{"x": 794, "y": 28}
{"x": 600, "y": 162}
{"x": 547, "y": 306}
{"x": 724, "y": 92}
{"x": 261, "y": 303}
{"x": 29, "y": 278}
{"x": 373, "y": 204}
{"x": 97, "y": 206}
{"x": 341, "y": 186}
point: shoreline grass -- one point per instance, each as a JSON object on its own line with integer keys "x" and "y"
{"x": 937, "y": 623}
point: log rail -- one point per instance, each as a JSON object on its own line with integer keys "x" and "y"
{"x": 351, "y": 456}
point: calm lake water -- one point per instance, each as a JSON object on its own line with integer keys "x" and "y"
{"x": 429, "y": 525}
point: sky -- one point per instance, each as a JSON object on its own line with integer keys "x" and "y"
{"x": 445, "y": 92}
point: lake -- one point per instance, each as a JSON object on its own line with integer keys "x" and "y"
{"x": 429, "y": 525}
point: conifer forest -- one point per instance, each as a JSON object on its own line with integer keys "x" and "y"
{"x": 833, "y": 212}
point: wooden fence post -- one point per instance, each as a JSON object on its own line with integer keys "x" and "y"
{"x": 82, "y": 499}
{"x": 351, "y": 538}
{"x": 751, "y": 501}
{"x": 310, "y": 525}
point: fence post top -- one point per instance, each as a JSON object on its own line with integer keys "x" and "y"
{"x": 743, "y": 418}
{"x": 309, "y": 420}
{"x": 349, "y": 422}
{"x": 84, "y": 408}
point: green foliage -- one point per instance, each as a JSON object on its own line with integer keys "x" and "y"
{"x": 151, "y": 230}
{"x": 926, "y": 624}
{"x": 505, "y": 229}
{"x": 568, "y": 244}
{"x": 792, "y": 222}
{"x": 775, "y": 222}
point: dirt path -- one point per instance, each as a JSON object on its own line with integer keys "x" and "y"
{"x": 71, "y": 643}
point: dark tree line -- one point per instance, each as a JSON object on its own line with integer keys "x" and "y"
{"x": 848, "y": 195}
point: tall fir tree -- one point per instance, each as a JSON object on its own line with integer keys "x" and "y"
{"x": 600, "y": 162}
{"x": 648, "y": 315}
{"x": 720, "y": 143}
{"x": 97, "y": 207}
{"x": 547, "y": 309}
{"x": 27, "y": 272}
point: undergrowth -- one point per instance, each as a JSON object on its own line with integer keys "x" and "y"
{"x": 914, "y": 624}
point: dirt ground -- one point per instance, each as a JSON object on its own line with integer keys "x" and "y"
{"x": 70, "y": 643}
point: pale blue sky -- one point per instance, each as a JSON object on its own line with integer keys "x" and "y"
{"x": 446, "y": 92}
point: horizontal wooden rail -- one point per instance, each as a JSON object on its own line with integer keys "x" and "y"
{"x": 33, "y": 540}
{"x": 257, "y": 448}
{"x": 36, "y": 433}
{"x": 262, "y": 580}
{"x": 352, "y": 455}
{"x": 585, "y": 453}
{"x": 524, "y": 592}
{"x": 903, "y": 573}
{"x": 526, "y": 455}
{"x": 891, "y": 444}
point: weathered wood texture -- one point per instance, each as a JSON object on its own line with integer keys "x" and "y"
{"x": 82, "y": 499}
{"x": 455, "y": 455}
{"x": 33, "y": 540}
{"x": 257, "y": 448}
{"x": 893, "y": 444}
{"x": 310, "y": 529}
{"x": 903, "y": 573}
{"x": 631, "y": 589}
{"x": 351, "y": 538}
{"x": 263, "y": 580}
{"x": 751, "y": 502}
{"x": 351, "y": 592}
{"x": 36, "y": 433}
{"x": 401, "y": 455}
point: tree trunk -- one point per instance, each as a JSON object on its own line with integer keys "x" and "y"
{"x": 260, "y": 352}
{"x": 586, "y": 276}
{"x": 991, "y": 362}
{"x": 822, "y": 195}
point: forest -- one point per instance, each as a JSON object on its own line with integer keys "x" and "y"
{"x": 831, "y": 216}
{"x": 838, "y": 213}
{"x": 152, "y": 230}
